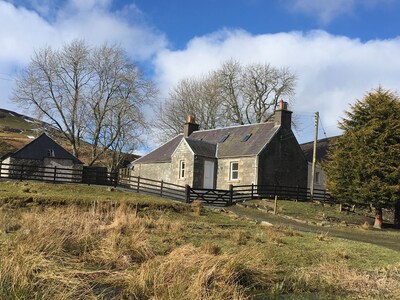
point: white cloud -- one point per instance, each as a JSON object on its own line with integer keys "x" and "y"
{"x": 29, "y": 26}
{"x": 327, "y": 10}
{"x": 332, "y": 71}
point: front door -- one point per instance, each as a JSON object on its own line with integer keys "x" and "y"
{"x": 208, "y": 182}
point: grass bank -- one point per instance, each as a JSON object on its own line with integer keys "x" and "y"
{"x": 80, "y": 242}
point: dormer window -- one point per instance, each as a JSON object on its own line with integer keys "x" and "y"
{"x": 246, "y": 137}
{"x": 50, "y": 153}
{"x": 223, "y": 139}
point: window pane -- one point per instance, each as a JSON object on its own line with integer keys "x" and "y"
{"x": 234, "y": 171}
{"x": 182, "y": 169}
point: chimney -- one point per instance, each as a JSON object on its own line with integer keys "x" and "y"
{"x": 283, "y": 117}
{"x": 190, "y": 126}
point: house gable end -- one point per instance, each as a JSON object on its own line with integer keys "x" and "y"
{"x": 162, "y": 153}
{"x": 43, "y": 147}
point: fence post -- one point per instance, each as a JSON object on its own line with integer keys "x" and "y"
{"x": 230, "y": 194}
{"x": 252, "y": 191}
{"x": 297, "y": 193}
{"x": 276, "y": 205}
{"x": 138, "y": 185}
{"x": 116, "y": 179}
{"x": 187, "y": 193}
{"x": 161, "y": 188}
{"x": 54, "y": 174}
{"x": 22, "y": 172}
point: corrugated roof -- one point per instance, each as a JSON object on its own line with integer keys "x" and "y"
{"x": 39, "y": 148}
{"x": 322, "y": 149}
{"x": 222, "y": 142}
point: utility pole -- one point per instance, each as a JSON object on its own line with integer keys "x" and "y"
{"x": 314, "y": 159}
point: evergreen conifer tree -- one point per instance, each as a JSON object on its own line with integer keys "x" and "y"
{"x": 364, "y": 163}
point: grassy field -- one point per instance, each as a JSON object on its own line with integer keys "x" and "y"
{"x": 315, "y": 213}
{"x": 85, "y": 242}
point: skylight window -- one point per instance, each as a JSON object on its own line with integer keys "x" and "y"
{"x": 223, "y": 139}
{"x": 246, "y": 137}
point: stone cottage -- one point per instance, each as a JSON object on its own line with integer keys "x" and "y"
{"x": 39, "y": 158}
{"x": 261, "y": 154}
{"x": 320, "y": 155}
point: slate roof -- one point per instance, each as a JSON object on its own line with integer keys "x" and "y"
{"x": 234, "y": 145}
{"x": 38, "y": 150}
{"x": 202, "y": 148}
{"x": 322, "y": 149}
{"x": 236, "y": 141}
{"x": 162, "y": 153}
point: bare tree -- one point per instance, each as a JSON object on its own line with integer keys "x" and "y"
{"x": 197, "y": 97}
{"x": 54, "y": 84}
{"x": 231, "y": 95}
{"x": 230, "y": 84}
{"x": 87, "y": 93}
{"x": 251, "y": 93}
{"x": 118, "y": 93}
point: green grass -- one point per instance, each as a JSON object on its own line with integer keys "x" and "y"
{"x": 15, "y": 193}
{"x": 15, "y": 122}
{"x": 85, "y": 242}
{"x": 315, "y": 212}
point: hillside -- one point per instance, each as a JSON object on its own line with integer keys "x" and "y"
{"x": 17, "y": 130}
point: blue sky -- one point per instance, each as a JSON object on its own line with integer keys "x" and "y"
{"x": 339, "y": 49}
{"x": 182, "y": 20}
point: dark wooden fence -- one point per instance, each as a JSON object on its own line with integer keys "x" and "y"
{"x": 153, "y": 187}
{"x": 297, "y": 193}
{"x": 214, "y": 197}
{"x": 210, "y": 197}
{"x": 247, "y": 192}
{"x": 87, "y": 175}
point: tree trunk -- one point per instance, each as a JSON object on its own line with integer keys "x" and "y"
{"x": 396, "y": 220}
{"x": 378, "y": 218}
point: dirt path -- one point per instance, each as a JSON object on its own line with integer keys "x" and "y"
{"x": 372, "y": 237}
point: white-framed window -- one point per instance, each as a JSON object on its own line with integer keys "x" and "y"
{"x": 234, "y": 170}
{"x": 50, "y": 153}
{"x": 182, "y": 169}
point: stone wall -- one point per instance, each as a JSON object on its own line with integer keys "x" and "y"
{"x": 319, "y": 184}
{"x": 182, "y": 153}
{"x": 282, "y": 162}
{"x": 5, "y": 167}
{"x": 246, "y": 172}
{"x": 156, "y": 171}
{"x": 67, "y": 170}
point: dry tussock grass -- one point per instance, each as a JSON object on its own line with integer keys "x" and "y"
{"x": 239, "y": 237}
{"x": 341, "y": 279}
{"x": 191, "y": 273}
{"x": 104, "y": 251}
{"x": 197, "y": 207}
{"x": 43, "y": 256}
{"x": 274, "y": 236}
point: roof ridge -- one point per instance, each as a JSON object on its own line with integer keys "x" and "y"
{"x": 234, "y": 126}
{"x": 199, "y": 140}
